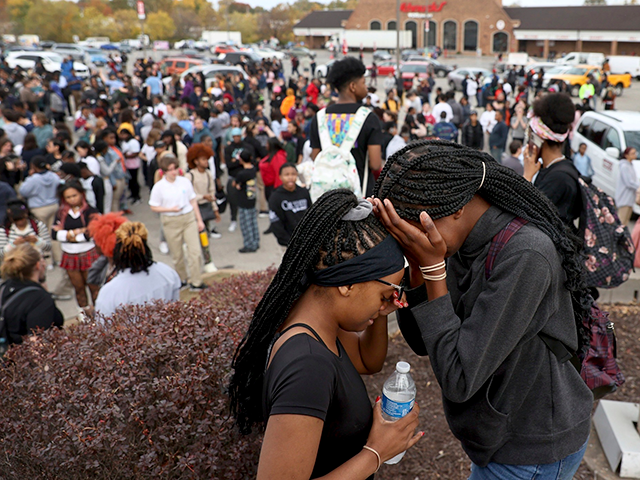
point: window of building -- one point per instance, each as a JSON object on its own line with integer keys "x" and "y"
{"x": 413, "y": 28}
{"x": 500, "y": 42}
{"x": 431, "y": 36}
{"x": 470, "y": 36}
{"x": 375, "y": 25}
{"x": 391, "y": 25}
{"x": 449, "y": 35}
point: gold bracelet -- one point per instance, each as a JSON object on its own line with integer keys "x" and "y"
{"x": 367, "y": 447}
{"x": 433, "y": 268}
{"x": 435, "y": 278}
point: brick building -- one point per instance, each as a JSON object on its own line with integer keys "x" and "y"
{"x": 469, "y": 26}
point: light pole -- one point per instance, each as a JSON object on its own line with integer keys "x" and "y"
{"x": 398, "y": 73}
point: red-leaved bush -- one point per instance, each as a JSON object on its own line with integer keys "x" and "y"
{"x": 143, "y": 396}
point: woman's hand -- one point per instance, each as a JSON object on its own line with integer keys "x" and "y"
{"x": 391, "y": 438}
{"x": 19, "y": 241}
{"x": 531, "y": 164}
{"x": 201, "y": 226}
{"x": 71, "y": 237}
{"x": 422, "y": 246}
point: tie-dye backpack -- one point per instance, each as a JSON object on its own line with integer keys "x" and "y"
{"x": 335, "y": 167}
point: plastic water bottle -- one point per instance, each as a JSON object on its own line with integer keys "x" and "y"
{"x": 398, "y": 397}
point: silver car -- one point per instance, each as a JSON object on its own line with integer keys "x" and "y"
{"x": 456, "y": 77}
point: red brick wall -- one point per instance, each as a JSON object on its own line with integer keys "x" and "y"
{"x": 486, "y": 13}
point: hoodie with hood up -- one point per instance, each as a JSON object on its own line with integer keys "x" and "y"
{"x": 147, "y": 125}
{"x": 40, "y": 189}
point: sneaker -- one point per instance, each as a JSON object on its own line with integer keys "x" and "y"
{"x": 183, "y": 285}
{"x": 263, "y": 215}
{"x": 247, "y": 250}
{"x": 214, "y": 233}
{"x": 232, "y": 226}
{"x": 210, "y": 268}
{"x": 267, "y": 231}
{"x": 137, "y": 201}
{"x": 164, "y": 248}
{"x": 61, "y": 297}
{"x": 198, "y": 288}
{"x": 51, "y": 267}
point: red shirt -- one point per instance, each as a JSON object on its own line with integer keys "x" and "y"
{"x": 270, "y": 170}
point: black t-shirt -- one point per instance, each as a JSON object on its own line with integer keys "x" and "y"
{"x": 559, "y": 182}
{"x": 286, "y": 209}
{"x": 306, "y": 378}
{"x": 246, "y": 180}
{"x": 371, "y": 134}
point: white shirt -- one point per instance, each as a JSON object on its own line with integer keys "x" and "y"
{"x": 89, "y": 194}
{"x": 178, "y": 193}
{"x": 149, "y": 152}
{"x": 126, "y": 288}
{"x": 472, "y": 87}
{"x": 506, "y": 88}
{"x": 488, "y": 120}
{"x": 442, "y": 107}
{"x": 279, "y": 127}
{"x": 396, "y": 143}
{"x": 92, "y": 164}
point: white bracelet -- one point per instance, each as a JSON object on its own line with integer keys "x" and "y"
{"x": 435, "y": 278}
{"x": 433, "y": 268}
{"x": 367, "y": 447}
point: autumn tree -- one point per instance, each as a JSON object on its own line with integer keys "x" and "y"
{"x": 126, "y": 24}
{"x": 160, "y": 26}
{"x": 17, "y": 12}
{"x": 57, "y": 21}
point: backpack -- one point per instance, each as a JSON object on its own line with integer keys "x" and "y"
{"x": 597, "y": 365}
{"x": 335, "y": 167}
{"x": 33, "y": 223}
{"x": 608, "y": 246}
{"x": 4, "y": 344}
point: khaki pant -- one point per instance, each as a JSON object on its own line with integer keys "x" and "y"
{"x": 262, "y": 199}
{"x": 117, "y": 194}
{"x": 46, "y": 215}
{"x": 624, "y": 213}
{"x": 181, "y": 229}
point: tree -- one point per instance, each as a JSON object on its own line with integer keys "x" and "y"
{"x": 17, "y": 12}
{"x": 96, "y": 24}
{"x": 187, "y": 22}
{"x": 160, "y": 26}
{"x": 277, "y": 23}
{"x": 126, "y": 24}
{"x": 57, "y": 21}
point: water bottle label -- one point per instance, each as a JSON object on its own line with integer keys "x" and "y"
{"x": 396, "y": 409}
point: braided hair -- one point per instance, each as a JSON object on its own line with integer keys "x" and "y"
{"x": 320, "y": 240}
{"x": 442, "y": 177}
{"x": 131, "y": 250}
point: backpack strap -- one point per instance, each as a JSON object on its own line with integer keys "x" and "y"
{"x": 354, "y": 130}
{"x": 323, "y": 129}
{"x": 562, "y": 353}
{"x": 34, "y": 225}
{"x": 500, "y": 241}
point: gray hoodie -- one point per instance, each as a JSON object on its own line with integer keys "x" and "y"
{"x": 147, "y": 122}
{"x": 40, "y": 189}
{"x": 506, "y": 396}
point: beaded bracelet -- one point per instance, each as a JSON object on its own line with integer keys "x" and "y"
{"x": 367, "y": 447}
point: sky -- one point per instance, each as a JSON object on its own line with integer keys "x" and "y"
{"x": 524, "y": 3}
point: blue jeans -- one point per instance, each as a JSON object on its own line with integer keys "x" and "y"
{"x": 562, "y": 470}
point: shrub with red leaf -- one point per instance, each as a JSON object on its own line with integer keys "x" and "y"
{"x": 143, "y": 396}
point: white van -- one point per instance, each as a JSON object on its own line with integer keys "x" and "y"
{"x": 582, "y": 58}
{"x": 607, "y": 134}
{"x": 625, "y": 64}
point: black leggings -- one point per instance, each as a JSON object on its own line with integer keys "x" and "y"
{"x": 232, "y": 199}
{"x": 134, "y": 186}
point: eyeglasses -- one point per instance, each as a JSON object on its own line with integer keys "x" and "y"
{"x": 399, "y": 288}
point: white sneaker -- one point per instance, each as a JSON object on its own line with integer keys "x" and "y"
{"x": 210, "y": 268}
{"x": 232, "y": 226}
{"x": 164, "y": 248}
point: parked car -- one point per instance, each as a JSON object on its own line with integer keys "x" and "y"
{"x": 301, "y": 52}
{"x": 97, "y": 57}
{"x": 323, "y": 70}
{"x": 439, "y": 69}
{"x": 234, "y": 58}
{"x": 456, "y": 77}
{"x": 582, "y": 58}
{"x": 210, "y": 72}
{"x": 266, "y": 52}
{"x": 47, "y": 44}
{"x": 578, "y": 75}
{"x": 51, "y": 61}
{"x": 408, "y": 71}
{"x": 109, "y": 46}
{"x": 606, "y": 135}
{"x": 618, "y": 64}
{"x": 549, "y": 74}
{"x": 381, "y": 56}
{"x": 223, "y": 48}
{"x": 384, "y": 68}
{"x": 169, "y": 66}
{"x": 405, "y": 54}
{"x": 76, "y": 52}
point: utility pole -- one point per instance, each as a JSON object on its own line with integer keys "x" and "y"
{"x": 398, "y": 73}
{"x": 141, "y": 17}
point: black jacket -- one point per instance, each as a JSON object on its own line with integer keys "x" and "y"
{"x": 31, "y": 310}
{"x": 472, "y": 136}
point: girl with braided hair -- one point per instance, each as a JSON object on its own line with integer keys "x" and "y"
{"x": 494, "y": 274}
{"x": 138, "y": 279}
{"x": 321, "y": 323}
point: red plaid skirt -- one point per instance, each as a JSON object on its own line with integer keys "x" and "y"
{"x": 79, "y": 261}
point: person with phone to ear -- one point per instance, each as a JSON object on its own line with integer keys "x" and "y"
{"x": 544, "y": 162}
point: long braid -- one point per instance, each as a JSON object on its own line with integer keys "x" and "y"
{"x": 441, "y": 177}
{"x": 320, "y": 240}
